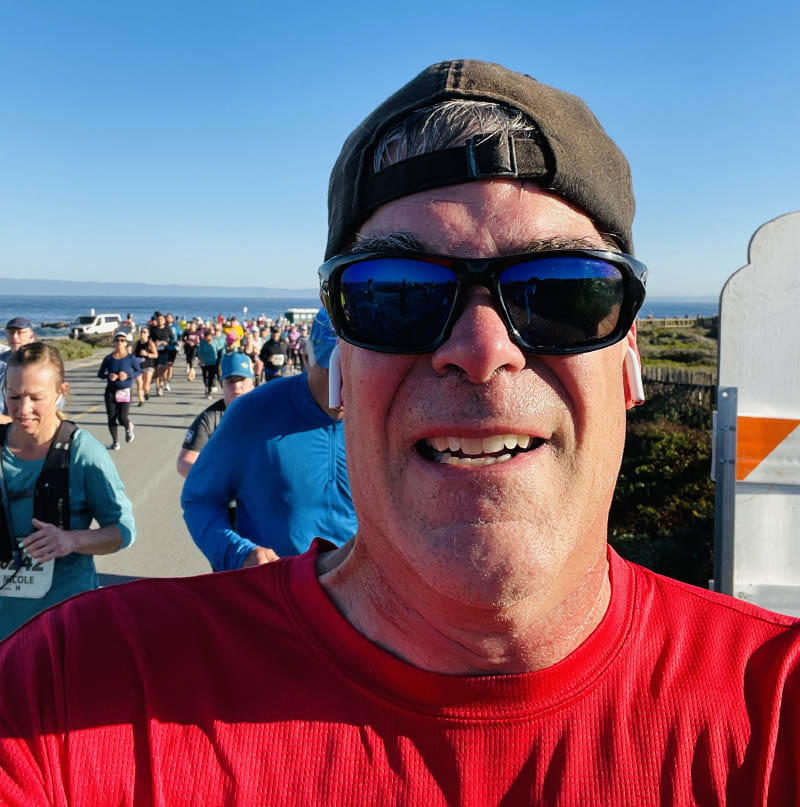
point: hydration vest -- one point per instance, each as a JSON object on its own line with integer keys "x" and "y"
{"x": 50, "y": 493}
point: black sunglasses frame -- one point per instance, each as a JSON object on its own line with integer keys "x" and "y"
{"x": 485, "y": 272}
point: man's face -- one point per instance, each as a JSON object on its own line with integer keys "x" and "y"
{"x": 170, "y": 319}
{"x": 235, "y": 385}
{"x": 17, "y": 337}
{"x": 531, "y": 528}
{"x": 160, "y": 322}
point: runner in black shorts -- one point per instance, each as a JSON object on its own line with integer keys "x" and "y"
{"x": 146, "y": 352}
{"x": 191, "y": 339}
{"x": 172, "y": 351}
{"x": 161, "y": 336}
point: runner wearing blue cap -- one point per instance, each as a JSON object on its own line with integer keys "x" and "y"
{"x": 237, "y": 379}
{"x": 279, "y": 453}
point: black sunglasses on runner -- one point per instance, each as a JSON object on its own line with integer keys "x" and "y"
{"x": 556, "y": 302}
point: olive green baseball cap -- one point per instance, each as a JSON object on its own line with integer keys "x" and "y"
{"x": 567, "y": 152}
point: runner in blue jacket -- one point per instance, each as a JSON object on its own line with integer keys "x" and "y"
{"x": 279, "y": 452}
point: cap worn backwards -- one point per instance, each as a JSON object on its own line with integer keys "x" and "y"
{"x": 571, "y": 155}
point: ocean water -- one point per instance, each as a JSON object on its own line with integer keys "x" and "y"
{"x": 64, "y": 308}
{"x": 659, "y": 307}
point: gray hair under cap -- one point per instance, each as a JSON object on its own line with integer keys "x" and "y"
{"x": 570, "y": 154}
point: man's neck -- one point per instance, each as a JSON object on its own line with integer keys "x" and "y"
{"x": 441, "y": 636}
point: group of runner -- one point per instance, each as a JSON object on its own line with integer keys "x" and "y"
{"x": 274, "y": 347}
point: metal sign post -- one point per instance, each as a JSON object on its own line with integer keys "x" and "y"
{"x": 724, "y": 464}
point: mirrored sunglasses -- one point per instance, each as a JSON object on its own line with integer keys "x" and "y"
{"x": 554, "y": 303}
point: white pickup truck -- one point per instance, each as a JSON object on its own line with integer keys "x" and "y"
{"x": 90, "y": 325}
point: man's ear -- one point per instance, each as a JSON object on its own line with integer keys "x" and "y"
{"x": 632, "y": 372}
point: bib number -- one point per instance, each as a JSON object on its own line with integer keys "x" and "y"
{"x": 123, "y": 395}
{"x": 277, "y": 360}
{"x": 32, "y": 580}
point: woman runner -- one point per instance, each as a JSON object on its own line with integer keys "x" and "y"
{"x": 119, "y": 369}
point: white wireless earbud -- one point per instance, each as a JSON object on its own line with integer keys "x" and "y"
{"x": 335, "y": 380}
{"x": 633, "y": 375}
{"x": 60, "y": 401}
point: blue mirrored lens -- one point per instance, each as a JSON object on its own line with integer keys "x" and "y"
{"x": 397, "y": 302}
{"x": 563, "y": 301}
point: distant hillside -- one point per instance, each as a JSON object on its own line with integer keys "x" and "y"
{"x": 48, "y": 288}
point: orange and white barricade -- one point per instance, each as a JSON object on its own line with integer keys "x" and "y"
{"x": 757, "y": 424}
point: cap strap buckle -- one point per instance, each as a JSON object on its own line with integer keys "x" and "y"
{"x": 491, "y": 156}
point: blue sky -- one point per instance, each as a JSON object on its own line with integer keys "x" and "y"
{"x": 190, "y": 142}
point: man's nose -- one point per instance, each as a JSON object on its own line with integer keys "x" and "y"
{"x": 479, "y": 343}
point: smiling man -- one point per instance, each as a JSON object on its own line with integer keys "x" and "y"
{"x": 476, "y": 642}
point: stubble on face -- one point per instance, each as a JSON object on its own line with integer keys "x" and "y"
{"x": 488, "y": 538}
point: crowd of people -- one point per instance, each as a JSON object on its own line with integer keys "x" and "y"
{"x": 260, "y": 523}
{"x": 274, "y": 347}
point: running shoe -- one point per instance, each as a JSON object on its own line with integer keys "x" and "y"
{"x": 168, "y": 387}
{"x": 114, "y": 446}
{"x": 129, "y": 435}
{"x": 141, "y": 403}
{"x": 160, "y": 392}
{"x": 147, "y": 396}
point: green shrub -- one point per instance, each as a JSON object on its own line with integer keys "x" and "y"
{"x": 71, "y": 348}
{"x": 676, "y": 403}
{"x": 662, "y": 515}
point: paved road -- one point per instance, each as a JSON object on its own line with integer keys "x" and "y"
{"x": 163, "y": 547}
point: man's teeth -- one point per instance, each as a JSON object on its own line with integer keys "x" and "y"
{"x": 474, "y": 450}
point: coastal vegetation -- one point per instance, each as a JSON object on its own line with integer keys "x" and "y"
{"x": 663, "y": 510}
{"x": 692, "y": 345}
{"x": 71, "y": 348}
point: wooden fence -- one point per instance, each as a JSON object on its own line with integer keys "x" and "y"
{"x": 680, "y": 375}
{"x": 698, "y": 385}
{"x": 676, "y": 322}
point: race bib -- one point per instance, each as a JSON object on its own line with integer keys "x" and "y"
{"x": 277, "y": 359}
{"x": 33, "y": 580}
{"x": 123, "y": 395}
